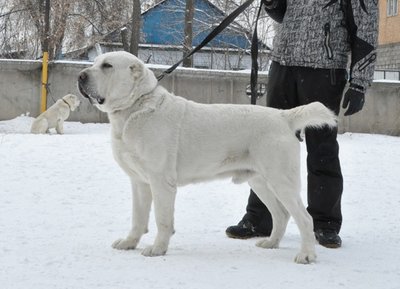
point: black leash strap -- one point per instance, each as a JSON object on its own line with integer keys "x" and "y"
{"x": 254, "y": 62}
{"x": 228, "y": 20}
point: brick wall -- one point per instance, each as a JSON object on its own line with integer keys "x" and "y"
{"x": 389, "y": 26}
{"x": 389, "y": 39}
{"x": 388, "y": 57}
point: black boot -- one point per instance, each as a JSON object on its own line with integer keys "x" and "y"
{"x": 244, "y": 230}
{"x": 328, "y": 238}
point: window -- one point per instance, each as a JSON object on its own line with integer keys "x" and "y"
{"x": 392, "y": 6}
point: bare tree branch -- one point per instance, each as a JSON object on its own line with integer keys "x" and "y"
{"x": 12, "y": 12}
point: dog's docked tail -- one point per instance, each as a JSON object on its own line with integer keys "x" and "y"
{"x": 314, "y": 114}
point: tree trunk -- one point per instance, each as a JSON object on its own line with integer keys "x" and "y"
{"x": 46, "y": 34}
{"x": 135, "y": 28}
{"x": 124, "y": 39}
{"x": 187, "y": 43}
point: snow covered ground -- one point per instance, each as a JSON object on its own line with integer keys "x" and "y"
{"x": 63, "y": 201}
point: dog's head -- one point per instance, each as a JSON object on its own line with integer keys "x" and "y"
{"x": 115, "y": 81}
{"x": 72, "y": 100}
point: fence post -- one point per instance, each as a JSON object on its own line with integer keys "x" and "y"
{"x": 43, "y": 94}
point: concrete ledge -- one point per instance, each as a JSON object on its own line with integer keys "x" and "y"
{"x": 381, "y": 112}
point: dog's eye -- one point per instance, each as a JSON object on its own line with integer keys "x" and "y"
{"x": 106, "y": 65}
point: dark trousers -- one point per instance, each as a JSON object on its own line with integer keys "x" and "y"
{"x": 288, "y": 87}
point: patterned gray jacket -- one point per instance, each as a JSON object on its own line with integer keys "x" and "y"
{"x": 324, "y": 33}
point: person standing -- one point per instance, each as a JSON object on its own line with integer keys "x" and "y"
{"x": 315, "y": 41}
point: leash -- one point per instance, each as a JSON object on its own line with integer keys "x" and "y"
{"x": 254, "y": 47}
{"x": 254, "y": 62}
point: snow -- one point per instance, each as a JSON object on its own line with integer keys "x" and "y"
{"x": 63, "y": 201}
{"x": 387, "y": 81}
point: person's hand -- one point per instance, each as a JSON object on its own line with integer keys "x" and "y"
{"x": 354, "y": 100}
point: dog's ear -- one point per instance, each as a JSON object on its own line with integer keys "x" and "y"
{"x": 144, "y": 78}
{"x": 136, "y": 70}
{"x": 72, "y": 100}
{"x": 75, "y": 102}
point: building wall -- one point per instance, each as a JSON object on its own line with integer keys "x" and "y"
{"x": 389, "y": 26}
{"x": 389, "y": 39}
{"x": 20, "y": 93}
{"x": 164, "y": 25}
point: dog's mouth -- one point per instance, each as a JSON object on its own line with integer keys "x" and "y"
{"x": 92, "y": 96}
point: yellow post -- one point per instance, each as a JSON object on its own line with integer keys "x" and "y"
{"x": 43, "y": 94}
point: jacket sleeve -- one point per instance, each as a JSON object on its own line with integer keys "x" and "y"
{"x": 362, "y": 24}
{"x": 275, "y": 9}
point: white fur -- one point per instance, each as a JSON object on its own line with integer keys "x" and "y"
{"x": 163, "y": 141}
{"x": 55, "y": 115}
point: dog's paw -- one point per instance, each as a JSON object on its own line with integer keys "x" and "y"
{"x": 267, "y": 243}
{"x": 125, "y": 244}
{"x": 305, "y": 258}
{"x": 152, "y": 251}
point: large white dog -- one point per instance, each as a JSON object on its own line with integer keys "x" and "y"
{"x": 163, "y": 141}
{"x": 55, "y": 115}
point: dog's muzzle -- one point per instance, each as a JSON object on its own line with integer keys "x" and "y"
{"x": 87, "y": 92}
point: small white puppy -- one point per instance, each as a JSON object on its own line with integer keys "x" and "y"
{"x": 55, "y": 115}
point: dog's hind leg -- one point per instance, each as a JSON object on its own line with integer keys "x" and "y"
{"x": 141, "y": 203}
{"x": 40, "y": 126}
{"x": 287, "y": 189}
{"x": 164, "y": 194}
{"x": 279, "y": 214}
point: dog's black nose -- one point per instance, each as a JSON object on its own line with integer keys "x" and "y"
{"x": 83, "y": 77}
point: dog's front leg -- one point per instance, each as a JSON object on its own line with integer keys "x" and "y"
{"x": 60, "y": 127}
{"x": 141, "y": 203}
{"x": 164, "y": 203}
